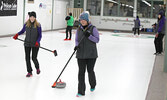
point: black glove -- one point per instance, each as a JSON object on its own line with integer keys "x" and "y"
{"x": 87, "y": 34}
{"x": 75, "y": 48}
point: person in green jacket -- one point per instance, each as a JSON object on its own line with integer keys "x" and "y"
{"x": 70, "y": 23}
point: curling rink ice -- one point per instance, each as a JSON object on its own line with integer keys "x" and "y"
{"x": 123, "y": 68}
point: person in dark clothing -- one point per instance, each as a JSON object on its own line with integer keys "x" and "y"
{"x": 86, "y": 53}
{"x": 154, "y": 27}
{"x": 137, "y": 25}
{"x": 160, "y": 32}
{"x": 32, "y": 41}
{"x": 70, "y": 23}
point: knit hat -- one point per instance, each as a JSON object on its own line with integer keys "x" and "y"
{"x": 84, "y": 16}
{"x": 161, "y": 13}
{"x": 32, "y": 14}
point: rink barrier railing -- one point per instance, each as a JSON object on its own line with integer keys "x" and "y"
{"x": 75, "y": 12}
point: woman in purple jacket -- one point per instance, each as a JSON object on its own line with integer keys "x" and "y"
{"x": 32, "y": 41}
{"x": 86, "y": 38}
{"x": 160, "y": 32}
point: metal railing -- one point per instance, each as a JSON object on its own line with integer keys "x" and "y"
{"x": 75, "y": 12}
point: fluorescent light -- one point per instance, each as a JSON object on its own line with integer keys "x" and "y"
{"x": 130, "y": 6}
{"x": 112, "y": 1}
{"x": 127, "y": 6}
{"x": 146, "y": 2}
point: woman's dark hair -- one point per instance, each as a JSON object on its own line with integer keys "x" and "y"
{"x": 70, "y": 14}
{"x": 137, "y": 16}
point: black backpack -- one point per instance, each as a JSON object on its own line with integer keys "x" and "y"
{"x": 67, "y": 18}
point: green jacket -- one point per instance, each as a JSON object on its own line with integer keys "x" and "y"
{"x": 70, "y": 22}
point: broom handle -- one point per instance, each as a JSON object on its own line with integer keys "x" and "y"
{"x": 65, "y": 66}
{"x": 39, "y": 46}
{"x": 69, "y": 59}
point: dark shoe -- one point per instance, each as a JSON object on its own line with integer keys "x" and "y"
{"x": 38, "y": 71}
{"x": 159, "y": 54}
{"x": 156, "y": 53}
{"x": 29, "y": 75}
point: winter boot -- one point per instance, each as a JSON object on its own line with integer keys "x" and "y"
{"x": 92, "y": 89}
{"x": 79, "y": 95}
{"x": 38, "y": 71}
{"x": 29, "y": 75}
